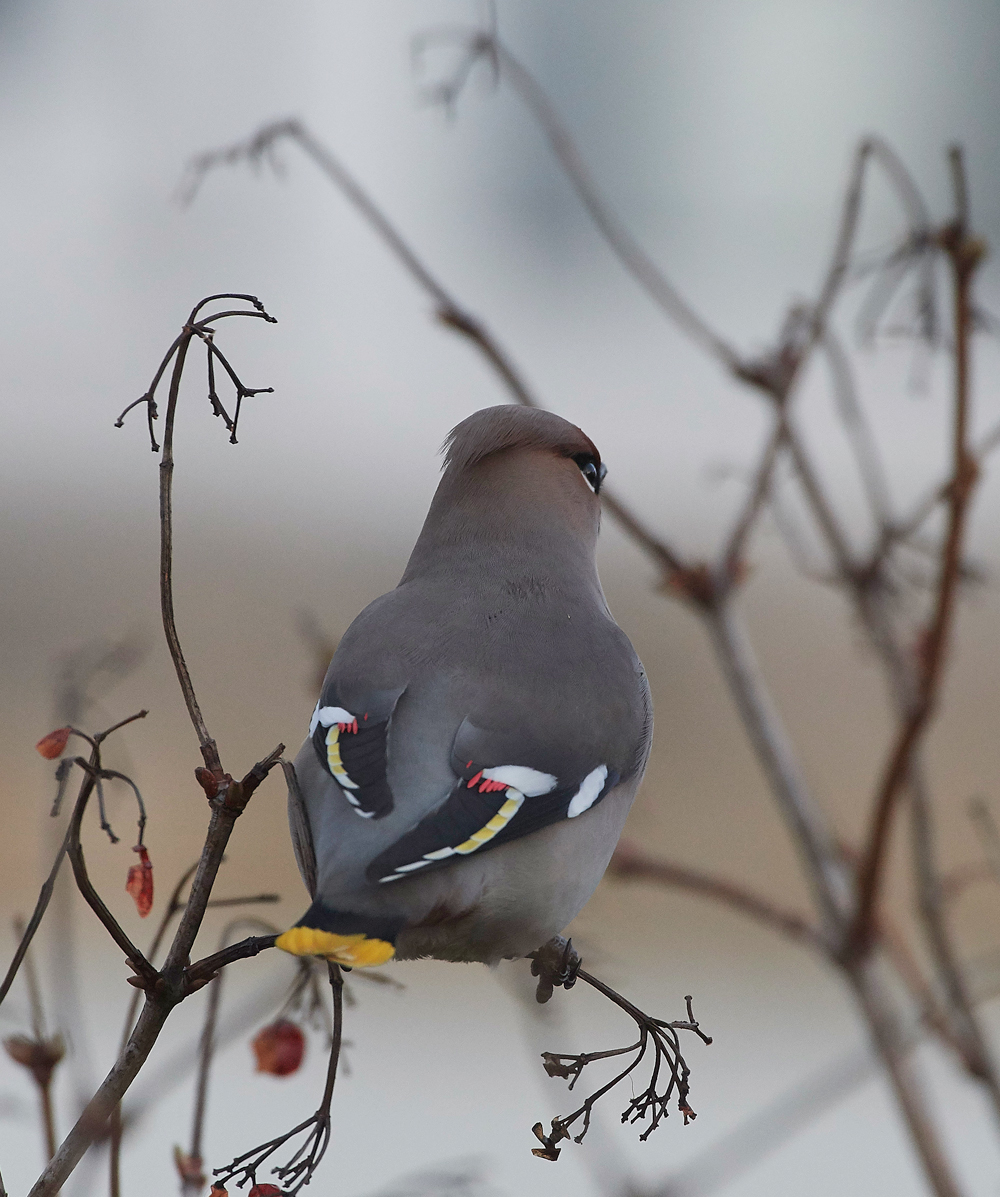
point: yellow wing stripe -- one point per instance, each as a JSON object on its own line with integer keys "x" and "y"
{"x": 333, "y": 758}
{"x": 496, "y": 824}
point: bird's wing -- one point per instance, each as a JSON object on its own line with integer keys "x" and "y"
{"x": 350, "y": 742}
{"x": 496, "y": 798}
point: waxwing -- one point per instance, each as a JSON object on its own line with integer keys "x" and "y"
{"x": 483, "y": 728}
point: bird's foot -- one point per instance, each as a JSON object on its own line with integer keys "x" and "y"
{"x": 554, "y": 963}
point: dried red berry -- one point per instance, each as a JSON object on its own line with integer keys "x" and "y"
{"x": 279, "y": 1048}
{"x": 140, "y": 882}
{"x": 54, "y": 744}
{"x": 264, "y": 1191}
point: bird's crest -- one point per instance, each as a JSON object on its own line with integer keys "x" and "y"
{"x": 508, "y": 427}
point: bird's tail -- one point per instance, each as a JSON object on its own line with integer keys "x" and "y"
{"x": 345, "y": 937}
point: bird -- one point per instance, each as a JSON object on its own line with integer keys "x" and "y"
{"x": 482, "y": 728}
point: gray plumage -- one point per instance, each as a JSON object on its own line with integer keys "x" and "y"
{"x": 494, "y": 664}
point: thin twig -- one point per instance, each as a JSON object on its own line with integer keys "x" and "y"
{"x": 205, "y": 969}
{"x": 40, "y": 1054}
{"x": 301, "y": 1167}
{"x": 855, "y": 422}
{"x": 173, "y": 907}
{"x": 137, "y": 961}
{"x": 760, "y": 489}
{"x": 654, "y": 1034}
{"x": 205, "y": 1055}
{"x": 968, "y": 1037}
{"x": 986, "y": 829}
{"x": 964, "y": 254}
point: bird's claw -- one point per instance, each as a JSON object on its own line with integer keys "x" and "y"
{"x": 554, "y": 963}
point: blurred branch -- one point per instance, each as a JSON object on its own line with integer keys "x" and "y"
{"x": 192, "y": 1176}
{"x": 967, "y": 1036}
{"x": 629, "y": 862}
{"x": 486, "y": 45}
{"x": 989, "y": 835}
{"x": 768, "y": 1127}
{"x": 830, "y": 884}
{"x": 45, "y": 894}
{"x": 260, "y": 147}
{"x": 810, "y": 832}
{"x": 760, "y": 491}
{"x": 40, "y": 1053}
{"x": 765, "y": 1129}
{"x": 320, "y": 645}
{"x": 859, "y": 432}
{"x": 964, "y": 253}
{"x": 174, "y": 906}
{"x": 773, "y": 372}
{"x": 94, "y": 667}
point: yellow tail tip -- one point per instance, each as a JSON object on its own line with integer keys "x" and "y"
{"x": 356, "y": 951}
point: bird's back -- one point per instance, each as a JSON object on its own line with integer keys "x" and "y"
{"x": 483, "y": 727}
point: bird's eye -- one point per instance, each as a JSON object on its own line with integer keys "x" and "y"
{"x": 593, "y": 472}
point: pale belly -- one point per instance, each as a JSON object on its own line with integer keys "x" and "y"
{"x": 514, "y": 898}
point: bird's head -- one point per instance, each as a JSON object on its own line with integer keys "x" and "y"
{"x": 509, "y": 437}
{"x": 520, "y": 485}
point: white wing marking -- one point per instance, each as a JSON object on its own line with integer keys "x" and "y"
{"x": 586, "y": 795}
{"x": 530, "y": 782}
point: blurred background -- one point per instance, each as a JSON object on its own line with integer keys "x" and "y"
{"x": 723, "y": 133}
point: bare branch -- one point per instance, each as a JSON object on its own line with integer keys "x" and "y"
{"x": 624, "y": 246}
{"x": 757, "y": 497}
{"x": 859, "y": 432}
{"x": 806, "y": 823}
{"x": 989, "y": 835}
{"x": 205, "y": 969}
